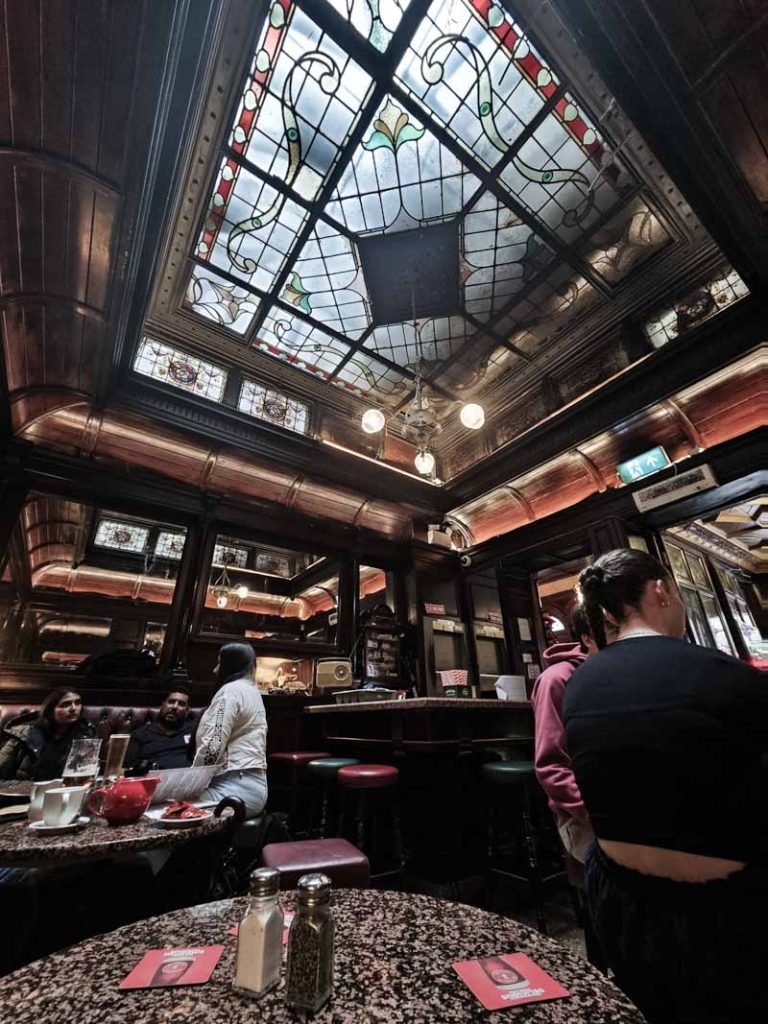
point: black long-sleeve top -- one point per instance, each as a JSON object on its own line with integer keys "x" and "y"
{"x": 669, "y": 744}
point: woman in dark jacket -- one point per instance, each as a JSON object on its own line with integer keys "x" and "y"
{"x": 35, "y": 745}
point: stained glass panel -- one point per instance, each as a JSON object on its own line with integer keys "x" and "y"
{"x": 368, "y": 378}
{"x": 704, "y": 302}
{"x": 625, "y": 242}
{"x": 375, "y": 20}
{"x": 499, "y": 255}
{"x": 296, "y": 341}
{"x": 475, "y": 368}
{"x": 229, "y": 555}
{"x": 273, "y": 406}
{"x": 547, "y": 310}
{"x": 255, "y": 231}
{"x": 471, "y": 67}
{"x": 170, "y": 544}
{"x": 219, "y": 300}
{"x": 327, "y": 282}
{"x": 399, "y": 177}
{"x": 111, "y": 533}
{"x": 439, "y": 337}
{"x": 171, "y": 366}
{"x": 301, "y": 101}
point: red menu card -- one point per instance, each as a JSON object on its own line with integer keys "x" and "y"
{"x": 288, "y": 916}
{"x": 509, "y": 980}
{"x": 160, "y": 968}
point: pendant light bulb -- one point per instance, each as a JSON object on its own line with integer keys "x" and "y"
{"x": 242, "y": 592}
{"x": 425, "y": 462}
{"x": 373, "y": 421}
{"x": 221, "y": 601}
{"x": 472, "y": 415}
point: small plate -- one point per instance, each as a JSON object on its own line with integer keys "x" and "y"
{"x": 58, "y": 830}
{"x": 155, "y": 819}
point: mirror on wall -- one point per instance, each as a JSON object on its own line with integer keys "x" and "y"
{"x": 261, "y": 592}
{"x": 82, "y": 580}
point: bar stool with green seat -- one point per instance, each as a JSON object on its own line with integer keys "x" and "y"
{"x": 288, "y": 776}
{"x": 324, "y": 770}
{"x": 512, "y": 785}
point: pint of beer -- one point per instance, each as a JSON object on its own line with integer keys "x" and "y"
{"x": 82, "y": 765}
{"x": 116, "y": 748}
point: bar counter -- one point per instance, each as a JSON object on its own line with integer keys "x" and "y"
{"x": 446, "y": 725}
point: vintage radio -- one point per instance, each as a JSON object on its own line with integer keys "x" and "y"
{"x": 333, "y": 673}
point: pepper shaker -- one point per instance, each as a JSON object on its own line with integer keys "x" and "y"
{"x": 260, "y": 937}
{"x": 309, "y": 978}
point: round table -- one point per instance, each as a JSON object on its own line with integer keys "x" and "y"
{"x": 20, "y": 789}
{"x": 394, "y": 953}
{"x": 20, "y": 846}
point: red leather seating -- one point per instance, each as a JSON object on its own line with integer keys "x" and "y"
{"x": 346, "y": 866}
{"x": 368, "y": 776}
{"x": 106, "y": 719}
{"x": 295, "y": 763}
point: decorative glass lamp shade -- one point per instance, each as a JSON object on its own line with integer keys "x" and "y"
{"x": 425, "y": 462}
{"x": 472, "y": 415}
{"x": 242, "y": 592}
{"x": 373, "y": 421}
{"x": 221, "y": 601}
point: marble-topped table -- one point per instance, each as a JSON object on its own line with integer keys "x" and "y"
{"x": 393, "y": 966}
{"x": 20, "y": 846}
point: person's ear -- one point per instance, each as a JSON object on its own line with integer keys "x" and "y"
{"x": 661, "y": 593}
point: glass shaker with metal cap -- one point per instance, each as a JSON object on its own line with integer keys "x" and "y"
{"x": 309, "y": 978}
{"x": 260, "y": 937}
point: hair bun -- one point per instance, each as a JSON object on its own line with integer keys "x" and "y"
{"x": 592, "y": 575}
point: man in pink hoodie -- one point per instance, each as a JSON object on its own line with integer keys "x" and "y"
{"x": 553, "y": 763}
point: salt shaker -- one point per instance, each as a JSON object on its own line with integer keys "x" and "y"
{"x": 309, "y": 978}
{"x": 260, "y": 937}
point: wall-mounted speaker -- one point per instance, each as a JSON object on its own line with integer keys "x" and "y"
{"x": 333, "y": 672}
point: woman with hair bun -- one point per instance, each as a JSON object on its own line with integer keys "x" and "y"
{"x": 668, "y": 741}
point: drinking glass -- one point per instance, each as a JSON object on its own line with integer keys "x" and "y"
{"x": 82, "y": 765}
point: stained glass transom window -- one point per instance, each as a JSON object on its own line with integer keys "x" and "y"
{"x": 699, "y": 305}
{"x": 229, "y": 555}
{"x": 359, "y": 119}
{"x": 170, "y": 544}
{"x": 111, "y": 533}
{"x": 273, "y": 406}
{"x": 171, "y": 366}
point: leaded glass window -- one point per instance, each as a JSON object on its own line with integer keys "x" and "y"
{"x": 230, "y": 555}
{"x": 170, "y": 544}
{"x": 273, "y": 406}
{"x": 720, "y": 291}
{"x": 171, "y": 366}
{"x": 111, "y": 533}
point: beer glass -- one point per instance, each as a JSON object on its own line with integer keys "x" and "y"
{"x": 82, "y": 765}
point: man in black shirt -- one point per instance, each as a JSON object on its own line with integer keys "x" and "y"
{"x": 165, "y": 742}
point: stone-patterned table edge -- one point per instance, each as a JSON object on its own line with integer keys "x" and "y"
{"x": 393, "y": 966}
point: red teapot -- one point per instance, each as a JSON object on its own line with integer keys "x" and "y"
{"x": 124, "y": 801}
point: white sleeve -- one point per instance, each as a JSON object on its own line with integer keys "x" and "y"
{"x": 215, "y": 729}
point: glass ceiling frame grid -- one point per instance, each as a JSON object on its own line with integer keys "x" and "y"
{"x": 381, "y": 68}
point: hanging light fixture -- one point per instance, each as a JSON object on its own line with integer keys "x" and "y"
{"x": 373, "y": 421}
{"x": 472, "y": 415}
{"x": 222, "y": 601}
{"x": 425, "y": 461}
{"x": 242, "y": 592}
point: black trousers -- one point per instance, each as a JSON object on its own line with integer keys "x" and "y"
{"x": 684, "y": 953}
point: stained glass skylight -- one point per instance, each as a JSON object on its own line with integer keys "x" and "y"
{"x": 171, "y": 366}
{"x": 130, "y": 537}
{"x": 273, "y": 406}
{"x": 360, "y": 120}
{"x": 170, "y": 544}
{"x": 710, "y": 298}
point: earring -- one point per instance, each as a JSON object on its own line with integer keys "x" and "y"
{"x": 665, "y": 604}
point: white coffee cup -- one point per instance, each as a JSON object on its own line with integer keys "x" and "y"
{"x": 62, "y": 806}
{"x": 39, "y": 789}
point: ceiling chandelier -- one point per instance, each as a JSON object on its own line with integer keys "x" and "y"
{"x": 421, "y": 422}
{"x": 223, "y": 591}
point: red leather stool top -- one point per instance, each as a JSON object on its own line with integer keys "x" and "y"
{"x": 368, "y": 776}
{"x": 298, "y": 757}
{"x": 345, "y": 865}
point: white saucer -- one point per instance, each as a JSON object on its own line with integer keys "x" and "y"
{"x": 154, "y": 818}
{"x": 58, "y": 830}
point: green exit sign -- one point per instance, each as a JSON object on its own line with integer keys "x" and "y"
{"x": 643, "y": 465}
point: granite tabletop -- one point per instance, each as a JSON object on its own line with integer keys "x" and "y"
{"x": 393, "y": 966}
{"x": 21, "y": 845}
{"x": 422, "y": 704}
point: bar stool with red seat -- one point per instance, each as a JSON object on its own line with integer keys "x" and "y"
{"x": 293, "y": 765}
{"x": 363, "y": 780}
{"x": 346, "y": 866}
